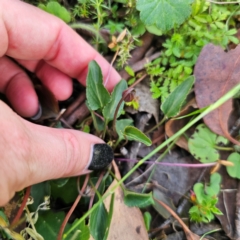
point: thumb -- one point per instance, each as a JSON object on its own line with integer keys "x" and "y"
{"x": 57, "y": 153}
{"x": 32, "y": 153}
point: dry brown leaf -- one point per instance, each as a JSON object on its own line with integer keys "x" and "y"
{"x": 146, "y": 102}
{"x": 216, "y": 73}
{"x": 227, "y": 203}
{"x": 127, "y": 222}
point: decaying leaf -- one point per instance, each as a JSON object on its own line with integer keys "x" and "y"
{"x": 146, "y": 102}
{"x": 216, "y": 73}
{"x": 227, "y": 204}
{"x": 127, "y": 222}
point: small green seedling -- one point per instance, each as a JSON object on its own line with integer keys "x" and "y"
{"x": 205, "y": 199}
{"x": 131, "y": 72}
{"x": 202, "y": 144}
{"x": 110, "y": 106}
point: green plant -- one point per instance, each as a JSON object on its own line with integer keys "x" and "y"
{"x": 203, "y": 145}
{"x": 207, "y": 23}
{"x": 204, "y": 199}
{"x": 110, "y": 107}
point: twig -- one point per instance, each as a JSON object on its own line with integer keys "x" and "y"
{"x": 138, "y": 66}
{"x": 81, "y": 98}
{"x": 237, "y": 214}
{"x": 189, "y": 234}
{"x": 138, "y": 81}
{"x": 139, "y": 52}
{"x": 20, "y": 211}
{"x": 96, "y": 187}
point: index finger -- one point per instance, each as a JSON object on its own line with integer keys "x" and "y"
{"x": 28, "y": 33}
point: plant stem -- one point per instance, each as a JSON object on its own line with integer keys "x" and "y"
{"x": 212, "y": 107}
{"x": 156, "y": 126}
{"x": 20, "y": 211}
{"x": 224, "y": 148}
{"x": 216, "y": 2}
{"x": 205, "y": 234}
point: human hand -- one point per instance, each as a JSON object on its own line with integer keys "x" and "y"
{"x": 46, "y": 46}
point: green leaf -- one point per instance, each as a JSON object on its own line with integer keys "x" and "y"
{"x": 70, "y": 188}
{"x": 164, "y": 14}
{"x": 56, "y": 9}
{"x": 201, "y": 145}
{"x": 48, "y": 224}
{"x": 139, "y": 29}
{"x": 147, "y": 220}
{"x": 110, "y": 214}
{"x": 154, "y": 30}
{"x": 214, "y": 188}
{"x": 135, "y": 134}
{"x": 60, "y": 182}
{"x": 222, "y": 140}
{"x": 97, "y": 94}
{"x": 198, "y": 189}
{"x": 121, "y": 125}
{"x": 233, "y": 39}
{"x": 171, "y": 106}
{"x": 140, "y": 200}
{"x": 3, "y": 219}
{"x": 84, "y": 231}
{"x": 38, "y": 192}
{"x": 215, "y": 210}
{"x": 98, "y": 122}
{"x": 98, "y": 222}
{"x": 110, "y": 108}
{"x": 130, "y": 71}
{"x": 234, "y": 171}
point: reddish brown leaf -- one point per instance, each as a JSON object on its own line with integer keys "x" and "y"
{"x": 216, "y": 73}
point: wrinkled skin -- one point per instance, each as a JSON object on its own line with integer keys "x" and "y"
{"x": 46, "y": 46}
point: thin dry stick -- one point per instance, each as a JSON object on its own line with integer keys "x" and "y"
{"x": 72, "y": 208}
{"x": 96, "y": 187}
{"x": 20, "y": 211}
{"x": 189, "y": 234}
{"x": 111, "y": 66}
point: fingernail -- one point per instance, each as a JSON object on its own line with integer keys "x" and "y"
{"x": 38, "y": 114}
{"x": 101, "y": 157}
